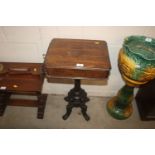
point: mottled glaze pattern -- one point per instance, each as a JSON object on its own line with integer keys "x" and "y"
{"x": 136, "y": 63}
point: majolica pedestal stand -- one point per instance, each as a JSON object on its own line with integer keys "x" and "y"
{"x": 137, "y": 67}
{"x": 120, "y": 106}
{"x": 77, "y": 97}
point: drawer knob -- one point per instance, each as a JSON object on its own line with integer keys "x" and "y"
{"x": 35, "y": 69}
{"x": 15, "y": 86}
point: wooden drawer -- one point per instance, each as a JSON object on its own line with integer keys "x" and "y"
{"x": 20, "y": 85}
{"x": 25, "y": 77}
{"x": 21, "y": 68}
{"x": 77, "y": 73}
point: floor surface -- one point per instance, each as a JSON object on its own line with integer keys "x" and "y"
{"x": 25, "y": 117}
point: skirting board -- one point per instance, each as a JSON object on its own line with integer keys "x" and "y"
{"x": 92, "y": 90}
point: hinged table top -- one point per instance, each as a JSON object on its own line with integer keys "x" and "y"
{"x": 73, "y": 55}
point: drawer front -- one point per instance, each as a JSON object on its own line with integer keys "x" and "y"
{"x": 21, "y": 68}
{"x": 77, "y": 73}
{"x": 24, "y": 85}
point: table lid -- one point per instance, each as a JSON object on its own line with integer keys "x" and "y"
{"x": 77, "y": 53}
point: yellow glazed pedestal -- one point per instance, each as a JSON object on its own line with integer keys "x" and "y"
{"x": 136, "y": 63}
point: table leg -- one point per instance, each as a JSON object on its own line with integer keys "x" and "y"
{"x": 41, "y": 105}
{"x": 77, "y": 97}
{"x": 4, "y": 98}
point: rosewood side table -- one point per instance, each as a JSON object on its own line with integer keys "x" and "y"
{"x": 77, "y": 59}
{"x": 18, "y": 78}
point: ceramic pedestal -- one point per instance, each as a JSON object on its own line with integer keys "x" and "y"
{"x": 136, "y": 63}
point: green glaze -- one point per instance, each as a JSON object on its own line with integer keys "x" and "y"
{"x": 140, "y": 45}
{"x": 141, "y": 50}
{"x": 137, "y": 66}
{"x": 125, "y": 97}
{"x": 120, "y": 106}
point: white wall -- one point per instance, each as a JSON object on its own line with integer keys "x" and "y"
{"x": 27, "y": 44}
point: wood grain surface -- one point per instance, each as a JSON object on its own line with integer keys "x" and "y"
{"x": 77, "y": 58}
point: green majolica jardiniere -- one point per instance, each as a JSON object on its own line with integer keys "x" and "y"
{"x": 136, "y": 63}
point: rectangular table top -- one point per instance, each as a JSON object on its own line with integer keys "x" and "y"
{"x": 77, "y": 58}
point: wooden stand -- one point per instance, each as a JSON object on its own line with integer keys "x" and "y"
{"x": 40, "y": 103}
{"x": 22, "y": 79}
{"x": 145, "y": 100}
{"x": 77, "y": 59}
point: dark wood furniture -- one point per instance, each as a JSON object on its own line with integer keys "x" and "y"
{"x": 22, "y": 79}
{"x": 77, "y": 59}
{"x": 145, "y": 100}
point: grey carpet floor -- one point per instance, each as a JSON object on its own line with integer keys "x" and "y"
{"x": 25, "y": 117}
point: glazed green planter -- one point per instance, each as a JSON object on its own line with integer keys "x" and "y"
{"x": 136, "y": 63}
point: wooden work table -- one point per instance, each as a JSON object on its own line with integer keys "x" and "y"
{"x": 22, "y": 79}
{"x": 77, "y": 59}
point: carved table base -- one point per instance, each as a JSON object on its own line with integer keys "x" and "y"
{"x": 77, "y": 97}
{"x": 40, "y": 103}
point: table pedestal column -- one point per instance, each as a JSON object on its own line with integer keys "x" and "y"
{"x": 77, "y": 97}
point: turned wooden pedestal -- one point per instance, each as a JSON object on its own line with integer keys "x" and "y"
{"x": 77, "y": 97}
